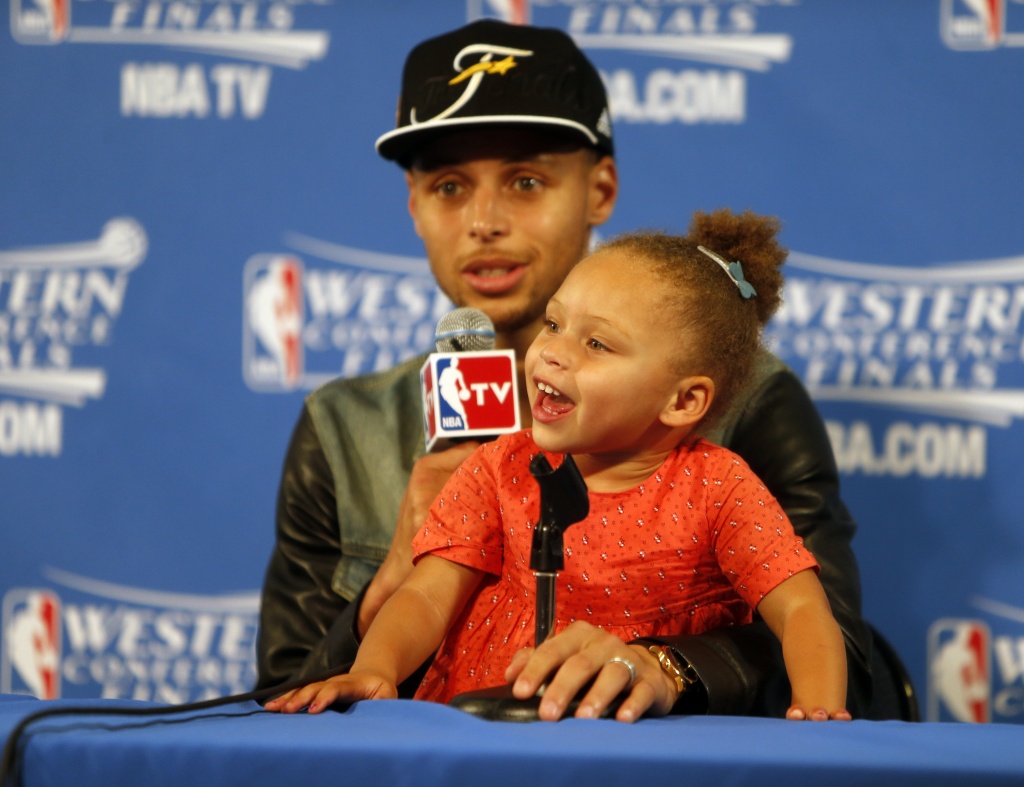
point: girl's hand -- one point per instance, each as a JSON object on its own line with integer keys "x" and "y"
{"x": 317, "y": 696}
{"x": 582, "y": 652}
{"x": 800, "y": 713}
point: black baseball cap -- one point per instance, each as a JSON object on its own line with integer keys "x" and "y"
{"x": 494, "y": 73}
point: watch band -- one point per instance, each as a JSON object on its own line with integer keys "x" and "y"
{"x": 672, "y": 664}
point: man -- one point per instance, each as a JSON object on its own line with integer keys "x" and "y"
{"x": 504, "y": 135}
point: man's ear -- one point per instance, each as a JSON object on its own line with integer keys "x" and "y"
{"x": 410, "y": 183}
{"x": 603, "y": 187}
{"x": 690, "y": 403}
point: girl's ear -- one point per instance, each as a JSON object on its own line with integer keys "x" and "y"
{"x": 690, "y": 403}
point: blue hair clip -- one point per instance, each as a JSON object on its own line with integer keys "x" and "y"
{"x": 734, "y": 271}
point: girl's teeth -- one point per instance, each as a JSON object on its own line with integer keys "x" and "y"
{"x": 548, "y": 389}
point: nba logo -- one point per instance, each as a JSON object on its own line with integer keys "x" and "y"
{"x": 959, "y": 671}
{"x": 31, "y": 644}
{"x": 40, "y": 21}
{"x": 973, "y": 24}
{"x": 515, "y": 12}
{"x": 274, "y": 322}
{"x": 470, "y": 394}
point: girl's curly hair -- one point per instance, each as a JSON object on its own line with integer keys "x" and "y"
{"x": 723, "y": 328}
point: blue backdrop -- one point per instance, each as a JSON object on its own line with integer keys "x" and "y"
{"x": 195, "y": 231}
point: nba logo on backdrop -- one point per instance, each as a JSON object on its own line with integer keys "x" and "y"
{"x": 32, "y": 644}
{"x": 516, "y": 12}
{"x": 97, "y": 639}
{"x": 336, "y": 311}
{"x": 959, "y": 671}
{"x": 273, "y": 354}
{"x": 982, "y": 24}
{"x": 40, "y": 21}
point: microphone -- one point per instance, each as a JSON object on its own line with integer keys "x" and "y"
{"x": 470, "y": 390}
{"x": 464, "y": 330}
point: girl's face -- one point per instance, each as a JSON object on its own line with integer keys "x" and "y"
{"x": 601, "y": 373}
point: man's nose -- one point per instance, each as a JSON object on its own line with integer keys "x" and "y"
{"x": 489, "y": 217}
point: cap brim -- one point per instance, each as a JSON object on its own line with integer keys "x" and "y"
{"x": 401, "y": 143}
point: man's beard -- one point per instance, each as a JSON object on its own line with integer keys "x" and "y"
{"x": 512, "y": 320}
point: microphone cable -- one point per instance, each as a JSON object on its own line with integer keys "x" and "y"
{"x": 9, "y": 762}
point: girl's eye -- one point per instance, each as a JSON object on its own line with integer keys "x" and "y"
{"x": 594, "y": 344}
{"x": 551, "y": 325}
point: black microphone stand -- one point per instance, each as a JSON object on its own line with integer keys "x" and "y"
{"x": 563, "y": 502}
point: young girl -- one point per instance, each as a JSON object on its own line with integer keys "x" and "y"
{"x": 646, "y": 341}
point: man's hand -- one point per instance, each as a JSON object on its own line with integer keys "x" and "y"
{"x": 579, "y": 653}
{"x": 429, "y": 475}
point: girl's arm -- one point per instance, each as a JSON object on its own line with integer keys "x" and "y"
{"x": 408, "y": 628}
{"x": 797, "y": 611}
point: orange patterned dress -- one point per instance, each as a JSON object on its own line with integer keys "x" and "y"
{"x": 694, "y": 547}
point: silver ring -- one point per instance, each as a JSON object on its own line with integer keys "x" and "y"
{"x": 627, "y": 664}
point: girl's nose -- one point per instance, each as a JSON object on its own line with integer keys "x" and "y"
{"x": 554, "y": 351}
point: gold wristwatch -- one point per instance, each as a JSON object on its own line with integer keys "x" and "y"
{"x": 683, "y": 675}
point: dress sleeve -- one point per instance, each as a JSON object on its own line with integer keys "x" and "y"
{"x": 754, "y": 540}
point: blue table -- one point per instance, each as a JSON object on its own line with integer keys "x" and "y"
{"x": 400, "y": 742}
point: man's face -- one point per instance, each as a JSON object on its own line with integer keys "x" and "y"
{"x": 504, "y": 216}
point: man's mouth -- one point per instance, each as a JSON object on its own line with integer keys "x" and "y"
{"x": 496, "y": 277}
{"x": 492, "y": 273}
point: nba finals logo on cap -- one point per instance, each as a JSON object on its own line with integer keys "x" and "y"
{"x": 489, "y": 73}
{"x": 470, "y": 394}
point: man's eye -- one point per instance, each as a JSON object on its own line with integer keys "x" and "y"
{"x": 527, "y": 183}
{"x": 448, "y": 188}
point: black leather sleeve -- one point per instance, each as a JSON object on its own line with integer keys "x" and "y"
{"x": 305, "y": 627}
{"x": 783, "y": 439}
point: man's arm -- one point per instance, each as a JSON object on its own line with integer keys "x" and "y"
{"x": 782, "y": 437}
{"x": 306, "y": 628}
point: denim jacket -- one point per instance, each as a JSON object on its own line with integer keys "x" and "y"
{"x": 382, "y": 412}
